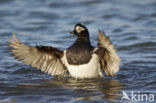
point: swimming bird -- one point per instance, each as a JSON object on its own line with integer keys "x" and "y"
{"x": 80, "y": 60}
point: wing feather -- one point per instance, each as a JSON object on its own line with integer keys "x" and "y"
{"x": 108, "y": 56}
{"x": 42, "y": 57}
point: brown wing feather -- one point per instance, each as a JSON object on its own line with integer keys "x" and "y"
{"x": 45, "y": 58}
{"x": 107, "y": 54}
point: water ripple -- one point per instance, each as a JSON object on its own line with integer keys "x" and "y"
{"x": 130, "y": 25}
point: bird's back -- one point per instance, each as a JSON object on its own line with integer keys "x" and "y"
{"x": 80, "y": 52}
{"x": 81, "y": 60}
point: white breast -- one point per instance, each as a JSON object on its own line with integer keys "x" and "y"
{"x": 92, "y": 69}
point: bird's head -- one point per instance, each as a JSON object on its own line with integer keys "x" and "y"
{"x": 80, "y": 31}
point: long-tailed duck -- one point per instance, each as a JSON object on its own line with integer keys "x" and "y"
{"x": 80, "y": 60}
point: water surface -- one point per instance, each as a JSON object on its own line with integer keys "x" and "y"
{"x": 130, "y": 24}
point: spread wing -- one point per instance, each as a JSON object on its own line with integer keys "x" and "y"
{"x": 107, "y": 54}
{"x": 45, "y": 58}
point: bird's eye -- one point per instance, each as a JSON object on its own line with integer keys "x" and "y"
{"x": 79, "y": 29}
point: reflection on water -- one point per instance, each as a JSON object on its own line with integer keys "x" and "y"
{"x": 86, "y": 89}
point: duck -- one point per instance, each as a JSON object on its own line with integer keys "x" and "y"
{"x": 80, "y": 60}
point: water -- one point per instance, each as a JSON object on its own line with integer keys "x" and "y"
{"x": 131, "y": 25}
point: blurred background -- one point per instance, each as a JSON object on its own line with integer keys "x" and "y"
{"x": 130, "y": 24}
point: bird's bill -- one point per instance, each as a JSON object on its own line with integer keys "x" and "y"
{"x": 73, "y": 32}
